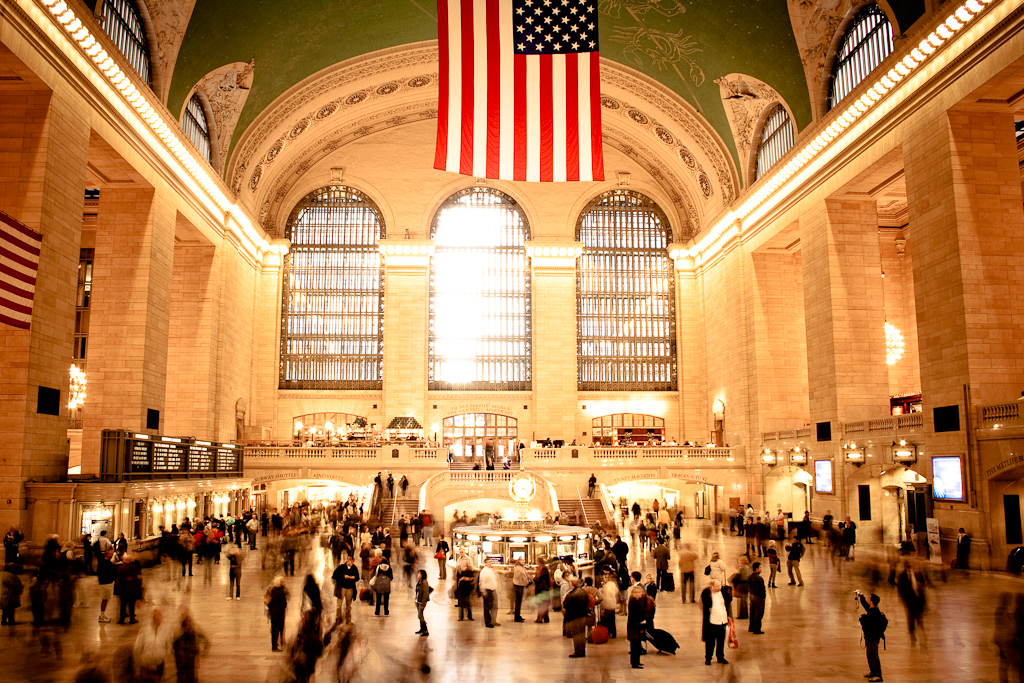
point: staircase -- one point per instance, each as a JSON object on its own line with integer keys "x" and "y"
{"x": 389, "y": 515}
{"x": 586, "y": 514}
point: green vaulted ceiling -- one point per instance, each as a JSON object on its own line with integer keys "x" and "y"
{"x": 684, "y": 44}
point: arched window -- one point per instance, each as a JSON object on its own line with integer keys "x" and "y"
{"x": 625, "y": 296}
{"x": 122, "y": 23}
{"x": 332, "y": 294}
{"x": 776, "y": 139}
{"x": 480, "y": 294}
{"x": 193, "y": 122}
{"x": 865, "y": 45}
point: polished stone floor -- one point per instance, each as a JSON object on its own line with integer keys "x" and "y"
{"x": 812, "y": 632}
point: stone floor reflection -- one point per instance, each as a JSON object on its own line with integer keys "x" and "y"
{"x": 812, "y": 632}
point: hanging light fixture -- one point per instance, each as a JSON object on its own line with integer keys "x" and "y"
{"x": 893, "y": 344}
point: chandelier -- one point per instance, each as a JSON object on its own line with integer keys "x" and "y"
{"x": 77, "y": 389}
{"x": 893, "y": 344}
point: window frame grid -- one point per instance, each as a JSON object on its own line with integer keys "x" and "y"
{"x": 774, "y": 143}
{"x": 196, "y": 126}
{"x": 860, "y": 52}
{"x": 509, "y": 364}
{"x": 645, "y": 361}
{"x": 356, "y": 285}
{"x": 130, "y": 41}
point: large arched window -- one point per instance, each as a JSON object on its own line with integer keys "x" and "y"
{"x": 865, "y": 45}
{"x": 480, "y": 294}
{"x": 776, "y": 139}
{"x": 625, "y": 296}
{"x": 332, "y": 294}
{"x": 195, "y": 125}
{"x": 122, "y": 23}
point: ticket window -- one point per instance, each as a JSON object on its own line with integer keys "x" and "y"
{"x": 97, "y": 519}
{"x": 566, "y": 548}
{"x": 519, "y": 551}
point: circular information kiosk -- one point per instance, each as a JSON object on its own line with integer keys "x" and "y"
{"x": 509, "y": 540}
{"x": 523, "y": 534}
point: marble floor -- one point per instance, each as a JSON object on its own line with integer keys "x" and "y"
{"x": 812, "y": 632}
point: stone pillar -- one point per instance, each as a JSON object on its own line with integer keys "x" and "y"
{"x": 966, "y": 221}
{"x": 688, "y": 366}
{"x": 128, "y": 335}
{"x": 554, "y": 338}
{"x": 267, "y": 347}
{"x": 780, "y": 343}
{"x": 44, "y": 142}
{"x": 844, "y": 314}
{"x": 406, "y": 314}
{"x": 192, "y": 350}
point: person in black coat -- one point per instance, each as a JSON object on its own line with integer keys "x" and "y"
{"x": 873, "y": 623}
{"x": 715, "y": 620}
{"x": 639, "y": 611}
{"x": 276, "y": 600}
{"x": 575, "y": 607}
{"x": 758, "y": 594}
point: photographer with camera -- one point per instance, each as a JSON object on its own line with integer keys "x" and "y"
{"x": 874, "y": 623}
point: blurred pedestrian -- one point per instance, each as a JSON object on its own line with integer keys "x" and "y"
{"x": 152, "y": 646}
{"x": 234, "y": 572}
{"x": 963, "y": 549}
{"x": 188, "y": 646}
{"x": 276, "y": 600}
{"x": 346, "y": 578}
{"x": 716, "y": 601}
{"x": 128, "y": 587}
{"x": 10, "y": 593}
{"x": 639, "y": 610}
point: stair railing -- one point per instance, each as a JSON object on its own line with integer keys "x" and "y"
{"x": 583, "y": 508}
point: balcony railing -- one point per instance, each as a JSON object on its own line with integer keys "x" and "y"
{"x": 1000, "y": 415}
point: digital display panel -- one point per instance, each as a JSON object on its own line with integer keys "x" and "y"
{"x": 947, "y": 478}
{"x": 823, "y": 476}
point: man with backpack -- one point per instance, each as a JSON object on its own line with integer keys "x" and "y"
{"x": 873, "y": 623}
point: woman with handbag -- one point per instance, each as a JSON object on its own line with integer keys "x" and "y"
{"x": 381, "y": 585}
{"x": 441, "y": 555}
{"x": 464, "y": 588}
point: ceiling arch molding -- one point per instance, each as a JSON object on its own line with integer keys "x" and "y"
{"x": 369, "y": 95}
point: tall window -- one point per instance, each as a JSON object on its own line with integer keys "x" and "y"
{"x": 865, "y": 45}
{"x": 122, "y": 23}
{"x": 332, "y": 311}
{"x": 194, "y": 123}
{"x": 480, "y": 294}
{"x": 625, "y": 296}
{"x": 776, "y": 139}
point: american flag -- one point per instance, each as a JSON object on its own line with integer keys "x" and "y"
{"x": 519, "y": 90}
{"x": 19, "y": 260}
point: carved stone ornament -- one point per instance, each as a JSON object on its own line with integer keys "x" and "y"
{"x": 170, "y": 19}
{"x": 815, "y": 23}
{"x": 746, "y": 99}
{"x": 226, "y": 89}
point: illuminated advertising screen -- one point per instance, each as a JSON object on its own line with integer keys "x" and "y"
{"x": 823, "y": 476}
{"x": 947, "y": 478}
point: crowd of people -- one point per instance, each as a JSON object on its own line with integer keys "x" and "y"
{"x": 631, "y": 579}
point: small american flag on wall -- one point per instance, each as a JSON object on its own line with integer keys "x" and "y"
{"x": 519, "y": 90}
{"x": 19, "y": 261}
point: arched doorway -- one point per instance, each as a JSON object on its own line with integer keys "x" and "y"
{"x": 485, "y": 439}
{"x": 788, "y": 487}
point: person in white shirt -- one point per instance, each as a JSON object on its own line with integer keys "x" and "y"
{"x": 717, "y": 569}
{"x": 716, "y": 602}
{"x": 488, "y": 583}
{"x": 152, "y": 646}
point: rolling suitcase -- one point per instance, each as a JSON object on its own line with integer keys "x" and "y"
{"x": 668, "y": 583}
{"x": 662, "y": 641}
{"x": 366, "y": 595}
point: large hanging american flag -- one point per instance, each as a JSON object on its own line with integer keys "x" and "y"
{"x": 19, "y": 261}
{"x": 519, "y": 90}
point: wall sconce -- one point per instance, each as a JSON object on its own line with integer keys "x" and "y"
{"x": 853, "y": 454}
{"x": 768, "y": 457}
{"x": 903, "y": 451}
{"x": 798, "y": 456}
